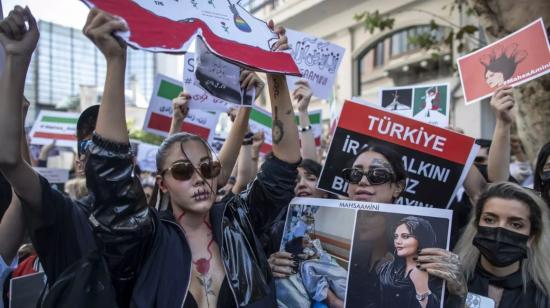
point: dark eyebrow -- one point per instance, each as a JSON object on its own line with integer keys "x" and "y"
{"x": 515, "y": 218}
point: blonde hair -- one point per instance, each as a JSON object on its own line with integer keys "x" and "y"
{"x": 76, "y": 188}
{"x": 537, "y": 265}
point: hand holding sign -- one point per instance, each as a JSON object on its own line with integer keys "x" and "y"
{"x": 17, "y": 39}
{"x": 250, "y": 80}
{"x": 99, "y": 29}
{"x": 503, "y": 103}
{"x": 302, "y": 94}
{"x": 180, "y": 105}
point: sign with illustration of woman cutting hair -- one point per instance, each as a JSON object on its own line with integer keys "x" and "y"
{"x": 518, "y": 58}
{"x": 361, "y": 254}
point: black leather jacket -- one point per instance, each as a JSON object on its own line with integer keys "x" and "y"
{"x": 147, "y": 254}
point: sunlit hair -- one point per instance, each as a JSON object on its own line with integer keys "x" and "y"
{"x": 162, "y": 154}
{"x": 536, "y": 266}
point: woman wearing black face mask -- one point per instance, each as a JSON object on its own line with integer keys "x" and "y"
{"x": 542, "y": 173}
{"x": 504, "y": 248}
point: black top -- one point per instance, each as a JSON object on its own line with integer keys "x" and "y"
{"x": 225, "y": 298}
{"x": 513, "y": 295}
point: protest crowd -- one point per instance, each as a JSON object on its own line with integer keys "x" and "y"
{"x": 209, "y": 227}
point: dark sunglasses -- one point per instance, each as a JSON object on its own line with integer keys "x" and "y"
{"x": 376, "y": 176}
{"x": 183, "y": 171}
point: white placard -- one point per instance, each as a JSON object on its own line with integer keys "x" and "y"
{"x": 54, "y": 175}
{"x": 318, "y": 61}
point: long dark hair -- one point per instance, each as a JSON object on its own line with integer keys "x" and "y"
{"x": 504, "y": 61}
{"x": 162, "y": 154}
{"x": 541, "y": 160}
{"x": 421, "y": 229}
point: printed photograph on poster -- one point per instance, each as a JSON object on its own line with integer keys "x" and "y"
{"x": 323, "y": 251}
{"x": 519, "y": 57}
{"x": 364, "y": 259}
{"x": 220, "y": 78}
{"x": 159, "y": 113}
{"x": 431, "y": 158}
{"x": 382, "y": 271}
{"x": 318, "y": 61}
{"x": 426, "y": 103}
{"x": 397, "y": 100}
{"x": 228, "y": 28}
{"x": 200, "y": 98}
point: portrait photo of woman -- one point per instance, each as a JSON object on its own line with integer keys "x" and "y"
{"x": 391, "y": 278}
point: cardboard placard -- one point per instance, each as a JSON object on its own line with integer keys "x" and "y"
{"x": 318, "y": 61}
{"x": 357, "y": 251}
{"x": 25, "y": 290}
{"x": 435, "y": 159}
{"x": 159, "y": 114}
{"x": 146, "y": 157}
{"x": 518, "y": 58}
{"x": 55, "y": 125}
{"x": 228, "y": 29}
{"x": 426, "y": 103}
{"x": 54, "y": 175}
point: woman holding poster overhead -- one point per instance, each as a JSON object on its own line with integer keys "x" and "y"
{"x": 504, "y": 249}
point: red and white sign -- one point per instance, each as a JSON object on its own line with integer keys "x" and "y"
{"x": 228, "y": 29}
{"x": 518, "y": 58}
{"x": 436, "y": 159}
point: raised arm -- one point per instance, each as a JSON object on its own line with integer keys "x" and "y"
{"x": 12, "y": 225}
{"x": 111, "y": 121}
{"x": 19, "y": 42}
{"x": 498, "y": 165}
{"x": 180, "y": 109}
{"x": 230, "y": 149}
{"x": 286, "y": 144}
{"x": 120, "y": 216}
{"x": 302, "y": 95}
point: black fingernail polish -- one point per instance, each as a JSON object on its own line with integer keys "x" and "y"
{"x": 415, "y": 258}
{"x": 419, "y": 251}
{"x": 418, "y": 266}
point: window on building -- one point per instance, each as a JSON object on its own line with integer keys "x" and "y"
{"x": 400, "y": 40}
{"x": 379, "y": 54}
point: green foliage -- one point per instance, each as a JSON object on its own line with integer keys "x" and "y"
{"x": 143, "y": 136}
{"x": 373, "y": 21}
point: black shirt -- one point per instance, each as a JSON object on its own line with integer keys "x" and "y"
{"x": 513, "y": 295}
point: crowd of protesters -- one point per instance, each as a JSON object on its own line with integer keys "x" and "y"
{"x": 205, "y": 229}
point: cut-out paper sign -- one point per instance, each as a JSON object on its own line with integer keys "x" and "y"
{"x": 318, "y": 61}
{"x": 159, "y": 114}
{"x": 518, "y": 58}
{"x": 426, "y": 103}
{"x": 200, "y": 98}
{"x": 220, "y": 78}
{"x": 228, "y": 29}
{"x": 54, "y": 125}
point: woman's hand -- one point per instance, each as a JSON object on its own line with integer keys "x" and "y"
{"x": 180, "y": 106}
{"x": 445, "y": 265}
{"x": 302, "y": 95}
{"x": 251, "y": 80}
{"x": 282, "y": 264}
{"x": 17, "y": 39}
{"x": 503, "y": 103}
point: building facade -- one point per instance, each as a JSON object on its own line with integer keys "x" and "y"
{"x": 384, "y": 58}
{"x": 65, "y": 60}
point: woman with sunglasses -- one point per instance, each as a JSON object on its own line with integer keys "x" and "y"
{"x": 377, "y": 174}
{"x": 199, "y": 254}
